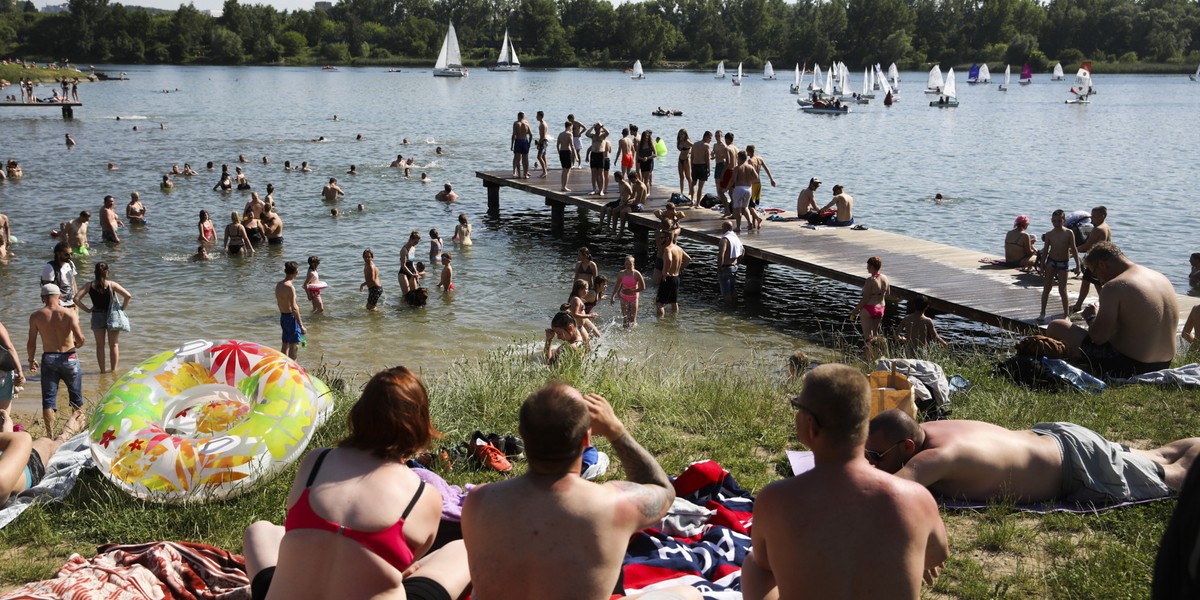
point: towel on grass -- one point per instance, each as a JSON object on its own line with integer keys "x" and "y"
{"x": 1187, "y": 377}
{"x": 154, "y": 570}
{"x": 61, "y": 475}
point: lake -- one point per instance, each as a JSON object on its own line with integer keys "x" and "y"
{"x": 997, "y": 155}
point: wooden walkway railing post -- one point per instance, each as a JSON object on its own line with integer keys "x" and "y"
{"x": 756, "y": 270}
{"x": 557, "y": 210}
{"x": 493, "y": 197}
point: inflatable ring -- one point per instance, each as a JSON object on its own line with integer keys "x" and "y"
{"x": 206, "y": 421}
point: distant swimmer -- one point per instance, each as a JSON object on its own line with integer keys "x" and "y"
{"x": 438, "y": 151}
{"x": 359, "y": 137}
{"x": 447, "y": 194}
{"x": 335, "y": 213}
{"x": 405, "y": 141}
{"x": 242, "y": 158}
{"x": 353, "y": 170}
{"x": 135, "y": 127}
{"x": 225, "y": 184}
{"x": 287, "y": 166}
{"x": 398, "y": 163}
{"x": 113, "y": 167}
{"x": 318, "y": 139}
{"x": 362, "y": 208}
{"x": 135, "y": 211}
{"x": 332, "y": 191}
{"x": 266, "y": 161}
{"x": 201, "y": 254}
{"x": 335, "y": 117}
{"x": 166, "y": 183}
{"x": 304, "y": 168}
{"x": 188, "y": 171}
{"x": 462, "y": 231}
{"x": 425, "y": 178}
{"x": 175, "y": 170}
{"x": 70, "y": 140}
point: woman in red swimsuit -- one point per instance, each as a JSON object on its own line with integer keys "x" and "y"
{"x": 873, "y": 302}
{"x": 361, "y": 524}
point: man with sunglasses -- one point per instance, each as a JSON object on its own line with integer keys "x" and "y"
{"x": 978, "y": 461}
{"x": 812, "y": 531}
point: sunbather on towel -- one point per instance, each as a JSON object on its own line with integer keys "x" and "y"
{"x": 978, "y": 461}
{"x": 808, "y": 528}
{"x": 550, "y": 533}
{"x": 23, "y": 459}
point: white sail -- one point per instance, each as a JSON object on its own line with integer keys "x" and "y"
{"x": 985, "y": 74}
{"x": 768, "y": 71}
{"x": 866, "y": 82}
{"x": 739, "y": 75}
{"x": 871, "y": 85}
{"x": 1083, "y": 84}
{"x": 842, "y": 81}
{"x": 1197, "y": 75}
{"x": 1058, "y": 71}
{"x": 504, "y": 59}
{"x": 828, "y": 89}
{"x": 883, "y": 84}
{"x": 935, "y": 78}
{"x": 949, "y": 91}
{"x": 721, "y": 70}
{"x": 512, "y": 52}
{"x": 1007, "y": 75}
{"x": 637, "y": 70}
{"x": 449, "y": 61}
{"x": 798, "y": 75}
{"x": 893, "y": 73}
{"x": 816, "y": 82}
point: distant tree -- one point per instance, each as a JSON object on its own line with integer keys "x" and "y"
{"x": 225, "y": 46}
{"x": 293, "y": 43}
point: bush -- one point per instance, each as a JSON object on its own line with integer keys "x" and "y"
{"x": 378, "y": 52}
{"x": 1070, "y": 56}
{"x": 338, "y": 53}
{"x": 995, "y": 53}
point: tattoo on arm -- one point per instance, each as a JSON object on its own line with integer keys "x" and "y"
{"x": 648, "y": 486}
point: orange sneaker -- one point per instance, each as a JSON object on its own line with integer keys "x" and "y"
{"x": 490, "y": 456}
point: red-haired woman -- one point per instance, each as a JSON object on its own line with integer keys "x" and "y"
{"x": 358, "y": 519}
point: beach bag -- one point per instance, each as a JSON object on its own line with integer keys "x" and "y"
{"x": 679, "y": 199}
{"x": 708, "y": 201}
{"x": 1029, "y": 372}
{"x": 117, "y": 319}
{"x": 891, "y": 389}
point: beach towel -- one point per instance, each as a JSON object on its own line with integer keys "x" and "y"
{"x": 711, "y": 560}
{"x": 181, "y": 570}
{"x": 61, "y": 475}
{"x": 1187, "y": 377}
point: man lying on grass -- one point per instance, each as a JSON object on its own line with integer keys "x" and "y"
{"x": 978, "y": 461}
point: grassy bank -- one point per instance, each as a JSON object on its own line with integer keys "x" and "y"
{"x": 14, "y": 73}
{"x": 684, "y": 410}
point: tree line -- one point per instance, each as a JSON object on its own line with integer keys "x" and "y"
{"x": 912, "y": 33}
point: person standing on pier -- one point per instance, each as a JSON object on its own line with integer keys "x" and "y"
{"x": 1100, "y": 233}
{"x": 522, "y": 136}
{"x": 759, "y": 165}
{"x": 598, "y": 152}
{"x": 729, "y": 252}
{"x": 1057, "y": 252}
{"x": 577, "y": 129}
{"x": 543, "y": 140}
{"x": 566, "y": 154}
{"x": 701, "y": 163}
{"x": 331, "y": 190}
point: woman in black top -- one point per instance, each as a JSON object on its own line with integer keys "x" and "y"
{"x": 103, "y": 292}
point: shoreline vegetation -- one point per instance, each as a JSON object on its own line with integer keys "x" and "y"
{"x": 684, "y": 409}
{"x": 1118, "y": 36}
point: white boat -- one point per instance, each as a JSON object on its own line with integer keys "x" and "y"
{"x": 840, "y": 87}
{"x": 1082, "y": 88}
{"x": 872, "y": 85}
{"x": 827, "y": 89}
{"x": 826, "y": 110}
{"x": 815, "y": 86}
{"x": 1058, "y": 72}
{"x": 875, "y": 82}
{"x": 887, "y": 90}
{"x": 1196, "y": 77}
{"x": 737, "y": 79}
{"x": 768, "y": 71}
{"x": 798, "y": 81}
{"x": 985, "y": 74}
{"x": 934, "y": 84}
{"x": 1007, "y": 78}
{"x": 637, "y": 70}
{"x": 449, "y": 61}
{"x": 508, "y": 60}
{"x": 949, "y": 96}
{"x": 894, "y": 76}
{"x": 865, "y": 97}
{"x": 720, "y": 71}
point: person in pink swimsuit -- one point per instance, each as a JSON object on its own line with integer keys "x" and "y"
{"x": 874, "y": 296}
{"x": 629, "y": 284}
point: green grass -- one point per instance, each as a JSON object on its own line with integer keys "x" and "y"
{"x": 683, "y": 411}
{"x": 14, "y": 73}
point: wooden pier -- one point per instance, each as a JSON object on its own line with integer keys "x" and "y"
{"x": 953, "y": 279}
{"x": 68, "y": 108}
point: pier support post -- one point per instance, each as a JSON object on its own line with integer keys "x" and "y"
{"x": 641, "y": 239}
{"x": 493, "y": 197}
{"x": 756, "y": 270}
{"x": 68, "y": 112}
{"x": 557, "y": 211}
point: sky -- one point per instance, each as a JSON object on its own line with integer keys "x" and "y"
{"x": 204, "y": 5}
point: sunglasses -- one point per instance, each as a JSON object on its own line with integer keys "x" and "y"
{"x": 874, "y": 457}
{"x": 795, "y": 402}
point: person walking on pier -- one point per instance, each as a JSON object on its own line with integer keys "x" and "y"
{"x": 566, "y": 154}
{"x": 701, "y": 164}
{"x": 522, "y": 136}
{"x": 542, "y": 140}
{"x": 873, "y": 303}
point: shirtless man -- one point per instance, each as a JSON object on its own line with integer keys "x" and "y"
{"x": 522, "y": 135}
{"x": 701, "y": 161}
{"x": 577, "y": 129}
{"x": 1059, "y": 248}
{"x": 566, "y": 154}
{"x": 979, "y": 461}
{"x": 398, "y": 163}
{"x": 741, "y": 188}
{"x": 272, "y": 225}
{"x": 1100, "y": 233}
{"x": 5, "y": 236}
{"x": 845, "y": 208}
{"x": 574, "y": 338}
{"x": 543, "y": 140}
{"x": 254, "y": 206}
{"x": 331, "y": 191}
{"x": 61, "y": 336}
{"x": 23, "y": 460}
{"x": 759, "y": 165}
{"x": 447, "y": 194}
{"x": 806, "y": 202}
{"x": 1133, "y": 329}
{"x": 728, "y": 161}
{"x": 109, "y": 221}
{"x": 675, "y": 260}
{"x": 625, "y": 152}
{"x": 70, "y": 141}
{"x": 371, "y": 281}
{"x": 805, "y": 526}
{"x": 566, "y": 536}
{"x": 1018, "y": 245}
{"x": 719, "y": 165}
{"x": 76, "y": 231}
{"x": 598, "y": 158}
{"x": 289, "y": 311}
{"x": 729, "y": 252}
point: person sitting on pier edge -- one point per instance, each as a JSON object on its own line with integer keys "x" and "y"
{"x": 1018, "y": 245}
{"x": 844, "y": 217}
{"x": 1133, "y": 330}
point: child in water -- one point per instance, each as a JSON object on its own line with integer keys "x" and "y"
{"x": 595, "y": 293}
{"x": 313, "y": 285}
{"x": 462, "y": 231}
{"x": 435, "y": 245}
{"x": 630, "y": 283}
{"x": 576, "y": 306}
{"x": 447, "y": 282}
{"x": 917, "y": 330}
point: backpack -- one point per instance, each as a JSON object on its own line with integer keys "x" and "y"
{"x": 679, "y": 199}
{"x": 708, "y": 201}
{"x": 1029, "y": 372}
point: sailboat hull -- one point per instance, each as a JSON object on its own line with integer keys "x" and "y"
{"x": 948, "y": 104}
{"x": 452, "y": 72}
{"x": 505, "y": 68}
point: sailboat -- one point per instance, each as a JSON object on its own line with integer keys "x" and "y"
{"x": 1026, "y": 75}
{"x": 985, "y": 74}
{"x": 1196, "y": 77}
{"x": 1007, "y": 78}
{"x": 720, "y": 71}
{"x": 894, "y": 75}
{"x": 876, "y": 71}
{"x": 934, "y": 84}
{"x": 768, "y": 71}
{"x": 828, "y": 89}
{"x": 737, "y": 79}
{"x": 1058, "y": 72}
{"x": 1082, "y": 87}
{"x": 508, "y": 60}
{"x": 815, "y": 86}
{"x": 637, "y": 70}
{"x": 864, "y": 97}
{"x": 798, "y": 81}
{"x": 890, "y": 96}
{"x": 973, "y": 74}
{"x": 949, "y": 96}
{"x": 449, "y": 61}
{"x": 840, "y": 87}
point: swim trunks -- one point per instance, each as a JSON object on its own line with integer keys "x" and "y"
{"x": 312, "y": 293}
{"x": 627, "y": 161}
{"x": 596, "y": 160}
{"x": 8, "y": 384}
{"x": 35, "y": 469}
{"x": 1096, "y": 470}
{"x": 109, "y": 236}
{"x": 541, "y": 147}
{"x": 1105, "y": 361}
{"x": 521, "y": 146}
{"x": 1060, "y": 265}
{"x": 374, "y": 295}
{"x": 741, "y": 197}
{"x": 234, "y": 249}
{"x": 668, "y": 290}
{"x": 699, "y": 172}
{"x": 566, "y": 158}
{"x": 718, "y": 171}
{"x": 755, "y": 193}
{"x": 578, "y": 142}
{"x": 875, "y": 310}
{"x": 275, "y": 241}
{"x": 416, "y": 587}
{"x": 833, "y": 222}
{"x": 291, "y": 329}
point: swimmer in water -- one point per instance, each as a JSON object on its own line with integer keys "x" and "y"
{"x": 425, "y": 178}
{"x": 446, "y": 284}
{"x": 462, "y": 231}
{"x": 201, "y": 254}
{"x": 438, "y": 151}
{"x": 362, "y": 208}
{"x": 112, "y": 166}
{"x": 353, "y": 170}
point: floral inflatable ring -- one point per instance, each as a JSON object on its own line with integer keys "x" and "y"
{"x": 205, "y": 421}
